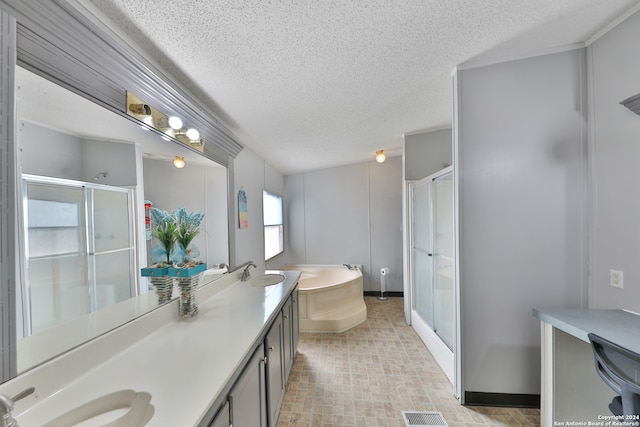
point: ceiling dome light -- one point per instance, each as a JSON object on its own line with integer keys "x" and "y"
{"x": 175, "y": 123}
{"x": 380, "y": 156}
{"x": 193, "y": 134}
{"x": 178, "y": 162}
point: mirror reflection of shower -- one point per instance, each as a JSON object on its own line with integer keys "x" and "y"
{"x": 79, "y": 251}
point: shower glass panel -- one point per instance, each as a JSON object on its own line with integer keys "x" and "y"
{"x": 443, "y": 256}
{"x": 432, "y": 256}
{"x": 57, "y": 246}
{"x": 79, "y": 250}
{"x": 113, "y": 248}
{"x": 422, "y": 252}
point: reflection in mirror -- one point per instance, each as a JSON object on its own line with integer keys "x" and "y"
{"x": 79, "y": 251}
{"x": 86, "y": 174}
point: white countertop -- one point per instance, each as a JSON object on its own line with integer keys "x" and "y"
{"x": 184, "y": 364}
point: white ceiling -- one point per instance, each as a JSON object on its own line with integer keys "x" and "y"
{"x": 310, "y": 84}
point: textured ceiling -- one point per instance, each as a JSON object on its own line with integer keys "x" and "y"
{"x": 310, "y": 84}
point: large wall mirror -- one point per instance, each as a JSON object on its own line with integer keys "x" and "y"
{"x": 85, "y": 174}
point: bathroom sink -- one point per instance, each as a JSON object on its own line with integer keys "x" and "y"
{"x": 266, "y": 280}
{"x": 124, "y": 408}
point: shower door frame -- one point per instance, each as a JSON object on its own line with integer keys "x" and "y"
{"x": 24, "y": 291}
{"x": 447, "y": 359}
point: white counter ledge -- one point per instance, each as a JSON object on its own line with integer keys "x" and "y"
{"x": 571, "y": 389}
{"x": 186, "y": 365}
{"x": 619, "y": 326}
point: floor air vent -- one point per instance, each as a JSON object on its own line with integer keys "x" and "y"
{"x": 424, "y": 419}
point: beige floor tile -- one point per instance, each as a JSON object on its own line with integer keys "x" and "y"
{"x": 367, "y": 376}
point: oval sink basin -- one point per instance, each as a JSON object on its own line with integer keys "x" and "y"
{"x": 266, "y": 280}
{"x": 124, "y": 408}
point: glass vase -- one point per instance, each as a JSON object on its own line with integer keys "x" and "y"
{"x": 188, "y": 306}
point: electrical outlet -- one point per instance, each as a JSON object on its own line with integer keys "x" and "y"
{"x": 616, "y": 278}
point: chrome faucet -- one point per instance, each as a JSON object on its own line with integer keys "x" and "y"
{"x": 6, "y": 406}
{"x": 351, "y": 267}
{"x": 246, "y": 274}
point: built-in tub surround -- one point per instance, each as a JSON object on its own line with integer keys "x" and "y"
{"x": 186, "y": 365}
{"x": 331, "y": 297}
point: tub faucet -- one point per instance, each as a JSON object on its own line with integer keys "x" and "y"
{"x": 246, "y": 274}
{"x": 6, "y": 406}
{"x": 350, "y": 267}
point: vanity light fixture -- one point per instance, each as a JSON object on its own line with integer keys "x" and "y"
{"x": 140, "y": 109}
{"x": 168, "y": 126}
{"x": 175, "y": 122}
{"x": 380, "y": 156}
{"x": 193, "y": 134}
{"x": 178, "y": 162}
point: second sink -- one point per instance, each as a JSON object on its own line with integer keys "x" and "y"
{"x": 266, "y": 280}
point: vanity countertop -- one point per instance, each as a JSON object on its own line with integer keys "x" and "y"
{"x": 185, "y": 364}
{"x": 618, "y": 326}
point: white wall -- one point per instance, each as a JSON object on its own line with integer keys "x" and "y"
{"x": 521, "y": 160}
{"x": 349, "y": 214}
{"x": 615, "y": 148}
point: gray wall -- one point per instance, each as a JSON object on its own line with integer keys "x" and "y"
{"x": 253, "y": 174}
{"x": 349, "y": 214}
{"x": 426, "y": 153}
{"x": 522, "y": 223}
{"x": 48, "y": 152}
{"x": 615, "y": 145}
{"x": 117, "y": 159}
{"x": 198, "y": 188}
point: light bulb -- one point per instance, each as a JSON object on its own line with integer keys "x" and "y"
{"x": 178, "y": 162}
{"x": 175, "y": 123}
{"x": 193, "y": 134}
{"x": 380, "y": 156}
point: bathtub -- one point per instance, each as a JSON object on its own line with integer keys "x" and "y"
{"x": 331, "y": 297}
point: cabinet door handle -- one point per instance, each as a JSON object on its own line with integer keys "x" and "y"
{"x": 286, "y": 316}
{"x": 264, "y": 360}
{"x": 270, "y": 348}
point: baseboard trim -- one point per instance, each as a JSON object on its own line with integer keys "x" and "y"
{"x": 386, "y": 294}
{"x": 512, "y": 400}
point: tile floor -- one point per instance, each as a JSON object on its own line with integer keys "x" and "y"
{"x": 366, "y": 376}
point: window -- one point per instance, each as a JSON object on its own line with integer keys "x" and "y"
{"x": 273, "y": 225}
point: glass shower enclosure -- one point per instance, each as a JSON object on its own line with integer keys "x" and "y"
{"x": 432, "y": 267}
{"x": 79, "y": 250}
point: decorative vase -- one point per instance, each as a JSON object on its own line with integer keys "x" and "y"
{"x": 161, "y": 281}
{"x": 188, "y": 279}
